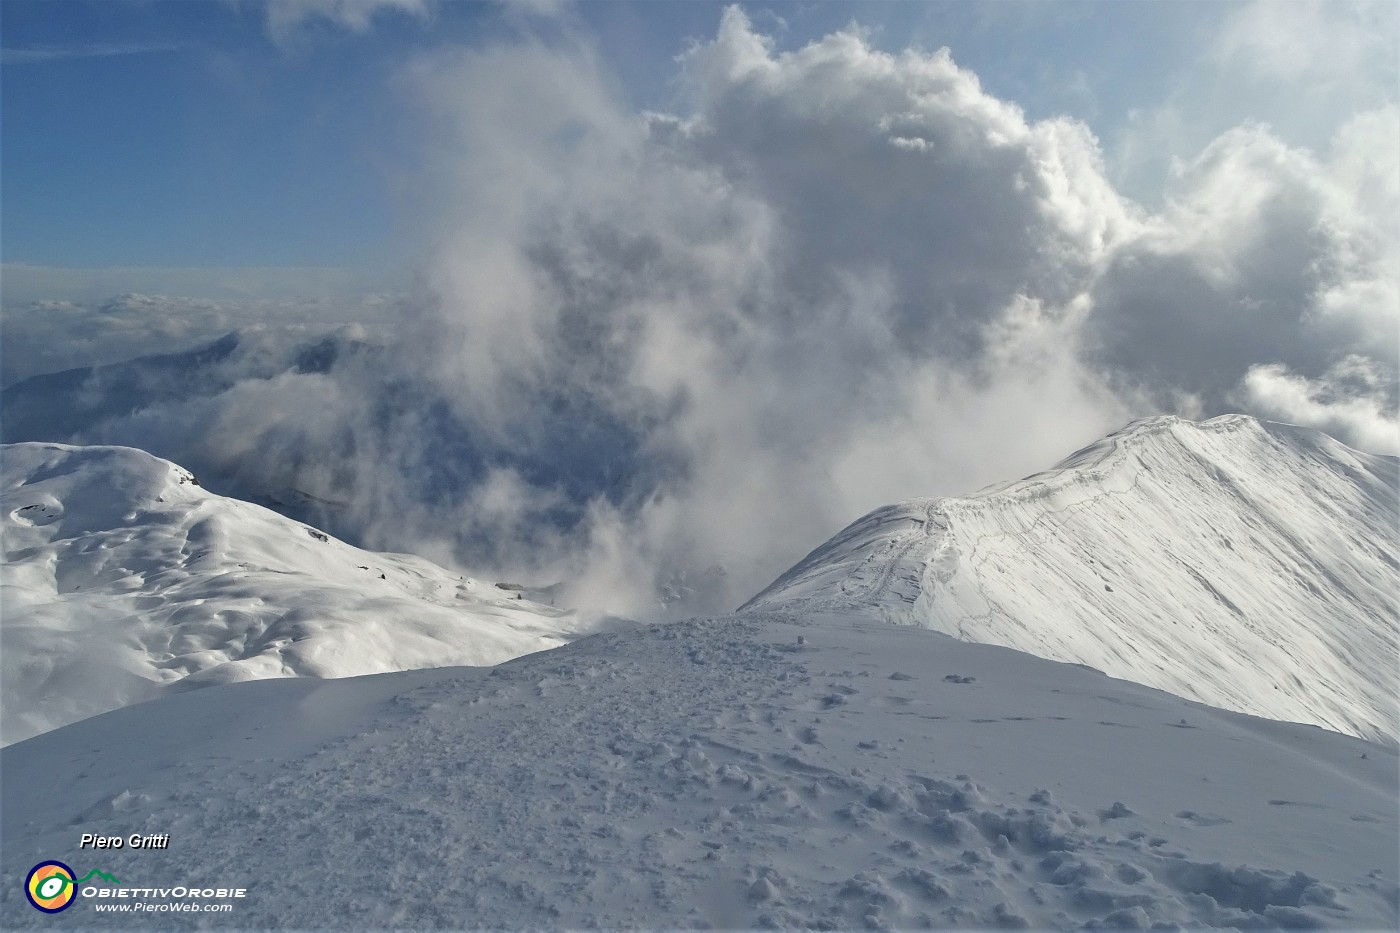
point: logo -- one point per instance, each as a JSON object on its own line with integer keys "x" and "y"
{"x": 50, "y": 887}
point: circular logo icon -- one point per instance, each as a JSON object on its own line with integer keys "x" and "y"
{"x": 50, "y": 887}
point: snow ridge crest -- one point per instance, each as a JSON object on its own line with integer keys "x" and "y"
{"x": 1246, "y": 564}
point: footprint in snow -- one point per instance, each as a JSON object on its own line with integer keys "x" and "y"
{"x": 41, "y": 513}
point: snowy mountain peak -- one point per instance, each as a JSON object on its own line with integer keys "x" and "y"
{"x": 1246, "y": 564}
{"x": 123, "y": 578}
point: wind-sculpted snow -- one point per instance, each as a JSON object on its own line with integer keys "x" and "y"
{"x": 766, "y": 770}
{"x": 123, "y": 579}
{"x": 1248, "y": 565}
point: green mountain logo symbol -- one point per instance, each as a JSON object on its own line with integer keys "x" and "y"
{"x": 110, "y": 879}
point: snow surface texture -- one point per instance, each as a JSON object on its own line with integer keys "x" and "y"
{"x": 123, "y": 578}
{"x": 1248, "y": 565}
{"x": 760, "y": 770}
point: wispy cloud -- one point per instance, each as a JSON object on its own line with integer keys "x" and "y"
{"x": 286, "y": 17}
{"x": 49, "y": 53}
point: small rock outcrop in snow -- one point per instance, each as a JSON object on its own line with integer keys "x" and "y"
{"x": 1248, "y": 565}
{"x": 123, "y": 578}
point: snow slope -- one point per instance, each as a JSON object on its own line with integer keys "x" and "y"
{"x": 123, "y": 579}
{"x": 1248, "y": 565}
{"x": 771, "y": 769}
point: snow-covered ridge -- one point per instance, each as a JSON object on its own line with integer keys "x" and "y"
{"x": 123, "y": 578}
{"x": 1249, "y": 565}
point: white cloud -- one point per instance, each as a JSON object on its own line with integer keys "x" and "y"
{"x": 1264, "y": 254}
{"x": 778, "y": 311}
{"x": 1354, "y": 401}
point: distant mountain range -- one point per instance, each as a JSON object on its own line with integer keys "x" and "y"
{"x": 57, "y": 406}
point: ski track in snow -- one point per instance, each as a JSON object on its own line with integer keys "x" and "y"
{"x": 764, "y": 770}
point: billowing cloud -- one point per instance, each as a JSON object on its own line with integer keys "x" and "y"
{"x": 659, "y": 356}
{"x": 1263, "y": 254}
{"x": 776, "y": 303}
{"x": 1355, "y": 398}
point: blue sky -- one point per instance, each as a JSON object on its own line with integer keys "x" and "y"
{"x": 173, "y": 134}
{"x": 178, "y": 134}
{"x": 210, "y": 134}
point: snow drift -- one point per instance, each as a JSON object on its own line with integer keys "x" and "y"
{"x": 1248, "y": 565}
{"x": 123, "y": 578}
